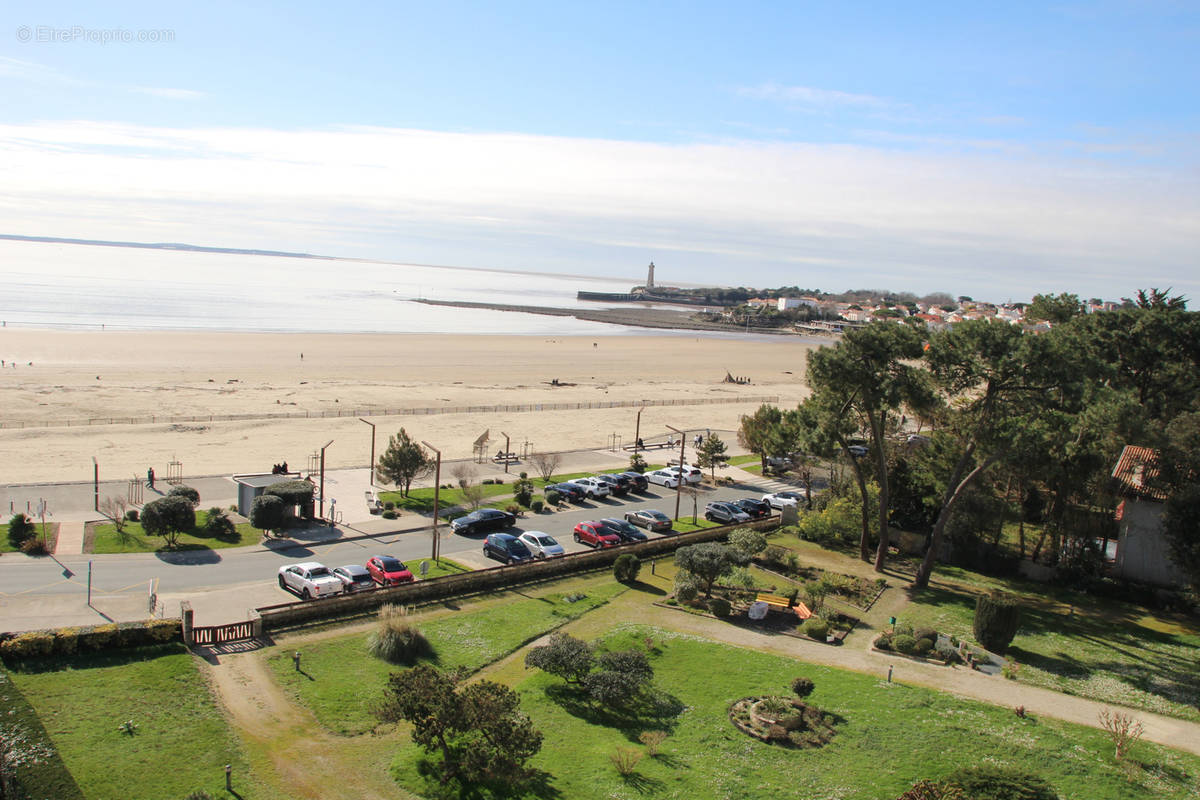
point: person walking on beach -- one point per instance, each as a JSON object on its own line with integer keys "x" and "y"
{"x": 150, "y": 477}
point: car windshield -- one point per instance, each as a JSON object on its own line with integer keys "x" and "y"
{"x": 658, "y": 515}
{"x": 545, "y": 541}
{"x": 391, "y": 564}
{"x": 789, "y": 495}
{"x": 318, "y": 572}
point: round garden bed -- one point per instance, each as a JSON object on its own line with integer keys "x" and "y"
{"x": 785, "y": 721}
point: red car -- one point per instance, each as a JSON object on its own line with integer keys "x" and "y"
{"x": 388, "y": 570}
{"x": 595, "y": 534}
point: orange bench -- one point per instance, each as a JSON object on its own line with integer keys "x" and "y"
{"x": 781, "y": 603}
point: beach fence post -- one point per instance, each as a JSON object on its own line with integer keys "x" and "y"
{"x": 437, "y": 486}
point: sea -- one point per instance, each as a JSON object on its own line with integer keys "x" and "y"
{"x": 87, "y": 286}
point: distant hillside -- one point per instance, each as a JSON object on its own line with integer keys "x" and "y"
{"x": 158, "y": 246}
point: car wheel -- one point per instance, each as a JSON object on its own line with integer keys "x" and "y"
{"x": 306, "y": 594}
{"x": 708, "y": 517}
{"x": 577, "y": 539}
{"x": 282, "y": 583}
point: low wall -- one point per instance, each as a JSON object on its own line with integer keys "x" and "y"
{"x": 288, "y": 615}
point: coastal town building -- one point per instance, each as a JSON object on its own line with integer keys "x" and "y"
{"x": 1143, "y": 553}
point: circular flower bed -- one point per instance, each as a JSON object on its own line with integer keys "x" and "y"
{"x": 785, "y": 721}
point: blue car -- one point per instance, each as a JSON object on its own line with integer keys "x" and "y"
{"x": 506, "y": 547}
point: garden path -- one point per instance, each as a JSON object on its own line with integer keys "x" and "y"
{"x": 306, "y": 759}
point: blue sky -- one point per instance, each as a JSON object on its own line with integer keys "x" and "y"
{"x": 993, "y": 152}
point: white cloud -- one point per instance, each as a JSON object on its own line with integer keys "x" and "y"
{"x": 829, "y": 216}
{"x": 816, "y": 98}
{"x": 170, "y": 94}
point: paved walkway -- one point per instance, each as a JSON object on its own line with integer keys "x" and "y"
{"x": 70, "y": 538}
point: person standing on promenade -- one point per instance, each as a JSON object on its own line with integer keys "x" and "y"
{"x": 150, "y": 477}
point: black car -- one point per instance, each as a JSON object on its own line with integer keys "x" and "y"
{"x": 570, "y": 491}
{"x": 506, "y": 547}
{"x": 637, "y": 481}
{"x": 625, "y": 530}
{"x": 619, "y": 485}
{"x": 757, "y": 509}
{"x": 485, "y": 519}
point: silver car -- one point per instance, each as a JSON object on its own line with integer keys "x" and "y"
{"x": 542, "y": 545}
{"x": 354, "y": 578}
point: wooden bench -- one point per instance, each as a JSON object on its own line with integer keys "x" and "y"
{"x": 650, "y": 446}
{"x": 506, "y": 458}
{"x": 780, "y": 603}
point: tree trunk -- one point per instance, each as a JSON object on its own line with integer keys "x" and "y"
{"x": 864, "y": 541}
{"x": 954, "y": 490}
{"x": 881, "y": 477}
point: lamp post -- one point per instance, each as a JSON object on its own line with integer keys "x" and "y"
{"x": 437, "y": 485}
{"x": 637, "y": 430}
{"x": 96, "y": 483}
{"x": 506, "y": 450}
{"x": 322, "y": 510}
{"x": 679, "y": 483}
{"x": 372, "y": 424}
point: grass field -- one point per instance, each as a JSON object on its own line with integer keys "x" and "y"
{"x": 889, "y": 736}
{"x": 1080, "y": 644}
{"x": 181, "y": 742}
{"x": 136, "y": 540}
{"x": 341, "y": 681}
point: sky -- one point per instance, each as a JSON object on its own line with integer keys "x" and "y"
{"x": 998, "y": 152}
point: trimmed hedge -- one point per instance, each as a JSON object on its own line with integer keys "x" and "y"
{"x": 67, "y": 641}
{"x": 997, "y": 617}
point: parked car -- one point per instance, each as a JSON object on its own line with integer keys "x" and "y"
{"x": 618, "y": 484}
{"x": 506, "y": 547}
{"x": 623, "y": 529}
{"x": 485, "y": 519}
{"x": 650, "y": 519}
{"x": 637, "y": 481}
{"x": 388, "y": 571}
{"x": 776, "y": 462}
{"x": 691, "y": 475}
{"x": 781, "y": 499}
{"x": 857, "y": 450}
{"x": 725, "y": 513}
{"x": 593, "y": 533}
{"x": 570, "y": 491}
{"x": 592, "y": 487}
{"x": 757, "y": 509}
{"x": 354, "y": 578}
{"x": 541, "y": 545}
{"x": 664, "y": 477}
{"x": 310, "y": 579}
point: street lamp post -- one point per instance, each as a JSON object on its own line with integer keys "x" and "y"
{"x": 96, "y": 482}
{"x": 372, "y": 424}
{"x": 437, "y": 485}
{"x": 321, "y": 513}
{"x": 506, "y": 450}
{"x": 637, "y": 431}
{"x": 679, "y": 483}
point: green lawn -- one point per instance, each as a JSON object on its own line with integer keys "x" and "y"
{"x": 1080, "y": 644}
{"x": 181, "y": 742}
{"x": 135, "y": 540}
{"x": 889, "y": 736}
{"x": 341, "y": 681}
{"x": 749, "y": 458}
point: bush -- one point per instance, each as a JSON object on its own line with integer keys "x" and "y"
{"x": 536, "y": 506}
{"x": 33, "y": 547}
{"x": 396, "y": 640}
{"x": 132, "y": 515}
{"x": 626, "y": 568}
{"x": 390, "y": 505}
{"x": 904, "y": 643}
{"x": 719, "y": 607}
{"x": 513, "y": 508}
{"x": 947, "y": 652}
{"x": 187, "y": 493}
{"x": 19, "y": 530}
{"x": 553, "y": 497}
{"x": 991, "y": 782}
{"x": 266, "y": 512}
{"x": 686, "y": 587}
{"x": 653, "y": 741}
{"x": 218, "y": 523}
{"x": 923, "y": 646}
{"x": 925, "y": 633}
{"x": 292, "y": 493}
{"x": 524, "y": 498}
{"x": 802, "y": 686}
{"x": 997, "y": 617}
{"x": 883, "y": 641}
{"x": 775, "y": 556}
{"x": 816, "y": 628}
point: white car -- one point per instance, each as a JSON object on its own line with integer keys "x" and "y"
{"x": 592, "y": 487}
{"x": 781, "y": 499}
{"x": 857, "y": 450}
{"x": 542, "y": 545}
{"x": 664, "y": 477}
{"x": 310, "y": 579}
{"x": 691, "y": 475}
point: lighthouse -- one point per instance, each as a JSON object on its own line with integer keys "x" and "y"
{"x": 650, "y": 277}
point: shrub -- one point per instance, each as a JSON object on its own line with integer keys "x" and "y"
{"x": 719, "y": 607}
{"x": 777, "y": 733}
{"x": 904, "y": 643}
{"x": 34, "y": 547}
{"x": 28, "y": 645}
{"x": 19, "y": 530}
{"x": 883, "y": 641}
{"x": 626, "y": 568}
{"x": 132, "y": 515}
{"x": 686, "y": 587}
{"x": 816, "y": 628}
{"x": 991, "y": 782}
{"x": 997, "y": 616}
{"x": 748, "y": 543}
{"x": 1122, "y": 729}
{"x": 187, "y": 493}
{"x": 923, "y": 646}
{"x": 925, "y": 633}
{"x": 390, "y": 505}
{"x": 653, "y": 741}
{"x": 218, "y": 523}
{"x": 774, "y": 555}
{"x": 513, "y": 508}
{"x": 389, "y": 515}
{"x": 947, "y": 652}
{"x": 625, "y": 759}
{"x": 524, "y": 498}
{"x": 537, "y": 505}
{"x": 199, "y": 795}
{"x": 802, "y": 686}
{"x": 396, "y": 640}
{"x": 266, "y": 512}
{"x": 553, "y": 497}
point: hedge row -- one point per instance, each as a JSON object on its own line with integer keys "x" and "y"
{"x": 67, "y": 641}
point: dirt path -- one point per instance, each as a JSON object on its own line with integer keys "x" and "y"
{"x": 307, "y": 761}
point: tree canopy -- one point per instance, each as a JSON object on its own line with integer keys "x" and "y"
{"x": 168, "y": 517}
{"x": 403, "y": 461}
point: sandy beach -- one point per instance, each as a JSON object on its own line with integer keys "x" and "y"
{"x": 75, "y": 395}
